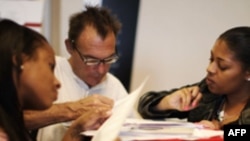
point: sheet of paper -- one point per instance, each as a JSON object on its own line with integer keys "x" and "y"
{"x": 168, "y": 129}
{"x": 121, "y": 126}
{"x": 110, "y": 130}
{"x": 142, "y": 129}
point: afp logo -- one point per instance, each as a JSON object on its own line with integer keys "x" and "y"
{"x": 236, "y": 132}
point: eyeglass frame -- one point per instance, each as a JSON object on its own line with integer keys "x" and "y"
{"x": 113, "y": 58}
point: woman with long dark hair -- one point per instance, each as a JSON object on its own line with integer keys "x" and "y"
{"x": 27, "y": 81}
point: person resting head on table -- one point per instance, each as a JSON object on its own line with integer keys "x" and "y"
{"x": 28, "y": 82}
{"x": 221, "y": 98}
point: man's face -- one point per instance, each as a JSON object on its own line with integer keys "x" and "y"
{"x": 91, "y": 46}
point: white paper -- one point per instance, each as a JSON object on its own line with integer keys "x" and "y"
{"x": 110, "y": 130}
{"x": 121, "y": 126}
{"x": 142, "y": 129}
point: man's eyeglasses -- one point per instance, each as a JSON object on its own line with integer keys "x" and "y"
{"x": 93, "y": 61}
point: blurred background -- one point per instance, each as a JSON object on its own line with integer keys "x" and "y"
{"x": 167, "y": 40}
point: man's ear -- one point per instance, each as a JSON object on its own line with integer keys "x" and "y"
{"x": 69, "y": 46}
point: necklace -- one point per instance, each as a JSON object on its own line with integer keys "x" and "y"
{"x": 221, "y": 116}
{"x": 224, "y": 117}
{"x": 220, "y": 111}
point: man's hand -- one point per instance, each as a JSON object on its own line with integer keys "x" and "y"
{"x": 89, "y": 103}
{"x": 89, "y": 120}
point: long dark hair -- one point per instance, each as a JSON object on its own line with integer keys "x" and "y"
{"x": 15, "y": 40}
{"x": 238, "y": 41}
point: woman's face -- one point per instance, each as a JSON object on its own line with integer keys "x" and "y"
{"x": 225, "y": 74}
{"x": 38, "y": 85}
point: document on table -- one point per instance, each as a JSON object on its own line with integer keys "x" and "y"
{"x": 142, "y": 129}
{"x": 111, "y": 128}
{"x": 127, "y": 129}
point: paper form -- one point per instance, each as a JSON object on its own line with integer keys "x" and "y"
{"x": 110, "y": 130}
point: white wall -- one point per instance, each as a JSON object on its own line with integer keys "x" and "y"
{"x": 56, "y": 16}
{"x": 174, "y": 38}
{"x": 68, "y": 7}
{"x": 62, "y": 10}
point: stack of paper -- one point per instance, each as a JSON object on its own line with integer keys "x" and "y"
{"x": 141, "y": 129}
{"x": 126, "y": 129}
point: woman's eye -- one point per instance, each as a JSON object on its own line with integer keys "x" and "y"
{"x": 52, "y": 66}
{"x": 222, "y": 67}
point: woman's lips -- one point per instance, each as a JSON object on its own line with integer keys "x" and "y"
{"x": 209, "y": 81}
